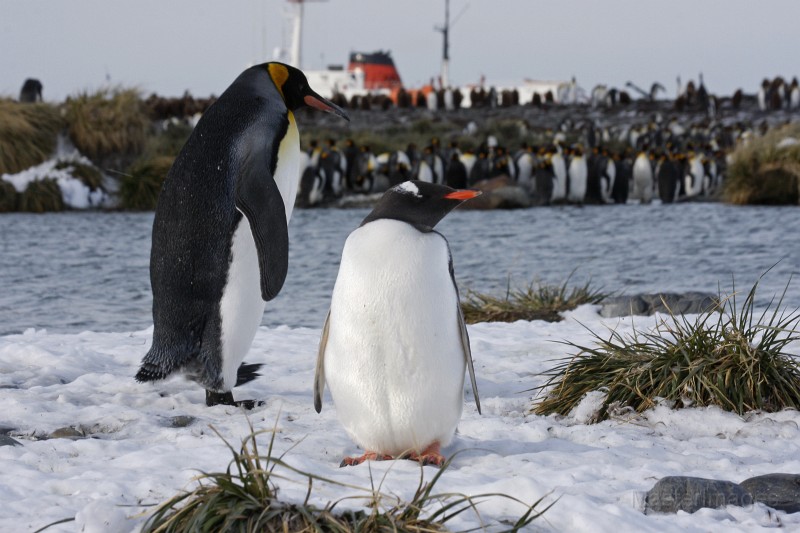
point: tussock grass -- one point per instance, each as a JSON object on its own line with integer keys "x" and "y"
{"x": 141, "y": 185}
{"x": 108, "y": 126}
{"x": 728, "y": 356}
{"x": 762, "y": 173}
{"x": 28, "y": 134}
{"x": 41, "y": 196}
{"x": 246, "y": 498}
{"x": 8, "y": 197}
{"x": 536, "y": 302}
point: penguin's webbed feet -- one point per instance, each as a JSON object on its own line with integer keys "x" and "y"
{"x": 369, "y": 456}
{"x": 226, "y": 398}
{"x": 430, "y": 456}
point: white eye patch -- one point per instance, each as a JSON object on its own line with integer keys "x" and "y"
{"x": 408, "y": 188}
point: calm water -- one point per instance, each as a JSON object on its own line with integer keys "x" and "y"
{"x": 71, "y": 272}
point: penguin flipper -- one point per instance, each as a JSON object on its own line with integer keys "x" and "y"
{"x": 462, "y": 328}
{"x": 319, "y": 373}
{"x": 260, "y": 201}
{"x": 468, "y": 358}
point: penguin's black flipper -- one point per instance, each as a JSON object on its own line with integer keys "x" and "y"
{"x": 259, "y": 199}
{"x": 247, "y": 372}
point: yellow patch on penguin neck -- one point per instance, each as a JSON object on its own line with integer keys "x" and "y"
{"x": 279, "y": 75}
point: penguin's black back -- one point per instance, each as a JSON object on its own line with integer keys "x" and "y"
{"x": 195, "y": 220}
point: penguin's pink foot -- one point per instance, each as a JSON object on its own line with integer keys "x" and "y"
{"x": 369, "y": 456}
{"x": 429, "y": 456}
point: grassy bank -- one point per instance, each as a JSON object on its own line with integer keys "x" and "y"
{"x": 766, "y": 170}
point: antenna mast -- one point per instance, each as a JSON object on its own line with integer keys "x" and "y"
{"x": 295, "y": 52}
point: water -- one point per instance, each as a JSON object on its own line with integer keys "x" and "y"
{"x": 71, "y": 272}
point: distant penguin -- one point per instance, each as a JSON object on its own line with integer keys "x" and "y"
{"x": 578, "y": 175}
{"x": 695, "y": 173}
{"x": 220, "y": 239}
{"x": 560, "y": 172}
{"x": 643, "y": 178}
{"x": 544, "y": 179}
{"x": 668, "y": 178}
{"x": 526, "y": 165}
{"x": 624, "y": 175}
{"x": 31, "y": 91}
{"x": 456, "y": 174}
{"x": 394, "y": 347}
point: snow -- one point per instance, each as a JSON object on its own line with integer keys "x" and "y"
{"x": 595, "y": 476}
{"x": 75, "y": 193}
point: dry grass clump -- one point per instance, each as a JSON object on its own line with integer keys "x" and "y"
{"x": 245, "y": 498}
{"x": 109, "y": 126}
{"x": 41, "y": 196}
{"x": 28, "y": 134}
{"x": 141, "y": 185}
{"x": 727, "y": 357}
{"x": 763, "y": 173}
{"x": 536, "y": 302}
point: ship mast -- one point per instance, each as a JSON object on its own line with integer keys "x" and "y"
{"x": 444, "y": 76}
{"x": 296, "y": 16}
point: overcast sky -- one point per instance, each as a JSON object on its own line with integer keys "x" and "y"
{"x": 169, "y": 46}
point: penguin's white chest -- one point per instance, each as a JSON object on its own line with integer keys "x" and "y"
{"x": 394, "y": 362}
{"x": 241, "y": 306}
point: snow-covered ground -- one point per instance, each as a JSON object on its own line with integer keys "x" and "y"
{"x": 594, "y": 475}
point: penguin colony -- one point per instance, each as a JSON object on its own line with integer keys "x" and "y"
{"x": 578, "y": 154}
{"x": 220, "y": 239}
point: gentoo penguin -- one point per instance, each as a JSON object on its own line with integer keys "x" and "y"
{"x": 220, "y": 241}
{"x": 394, "y": 346}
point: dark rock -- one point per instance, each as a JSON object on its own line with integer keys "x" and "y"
{"x": 5, "y": 430}
{"x": 779, "y": 491}
{"x": 5, "y": 440}
{"x": 680, "y": 493}
{"x": 648, "y": 304}
{"x": 181, "y": 421}
{"x": 498, "y": 193}
{"x": 66, "y": 433}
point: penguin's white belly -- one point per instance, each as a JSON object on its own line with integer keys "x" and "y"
{"x": 241, "y": 307}
{"x": 394, "y": 362}
{"x": 578, "y": 174}
{"x": 642, "y": 179}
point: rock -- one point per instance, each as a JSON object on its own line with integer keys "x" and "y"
{"x": 498, "y": 193}
{"x": 681, "y": 493}
{"x": 779, "y": 491}
{"x": 5, "y": 440}
{"x": 181, "y": 421}
{"x": 66, "y": 433}
{"x": 648, "y": 304}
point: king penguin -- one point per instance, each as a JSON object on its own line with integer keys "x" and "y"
{"x": 394, "y": 347}
{"x": 220, "y": 239}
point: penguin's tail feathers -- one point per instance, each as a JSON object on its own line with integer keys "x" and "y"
{"x": 157, "y": 365}
{"x": 151, "y": 372}
{"x": 247, "y": 372}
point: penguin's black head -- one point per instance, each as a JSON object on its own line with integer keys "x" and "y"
{"x": 296, "y": 92}
{"x": 419, "y": 203}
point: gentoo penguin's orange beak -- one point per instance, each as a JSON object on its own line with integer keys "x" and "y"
{"x": 463, "y": 194}
{"x": 323, "y": 104}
